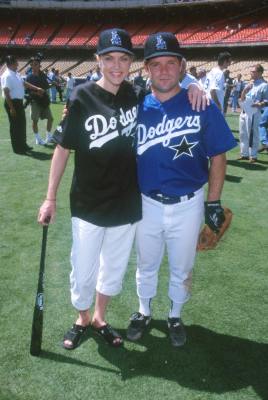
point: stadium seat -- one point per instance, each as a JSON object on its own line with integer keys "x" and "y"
{"x": 8, "y": 29}
{"x": 44, "y": 33}
{"x": 83, "y": 35}
{"x": 65, "y": 34}
{"x": 25, "y": 33}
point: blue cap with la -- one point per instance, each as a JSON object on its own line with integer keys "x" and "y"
{"x": 114, "y": 40}
{"x": 161, "y": 44}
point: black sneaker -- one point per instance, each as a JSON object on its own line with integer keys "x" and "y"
{"x": 137, "y": 326}
{"x": 177, "y": 332}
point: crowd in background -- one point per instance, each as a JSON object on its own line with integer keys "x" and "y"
{"x": 230, "y": 93}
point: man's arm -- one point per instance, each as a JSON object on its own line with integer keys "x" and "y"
{"x": 216, "y": 178}
{"x": 214, "y": 97}
{"x": 28, "y": 85}
{"x": 246, "y": 89}
{"x": 214, "y": 213}
{"x": 9, "y": 102}
{"x": 47, "y": 210}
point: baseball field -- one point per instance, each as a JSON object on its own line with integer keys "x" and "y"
{"x": 226, "y": 354}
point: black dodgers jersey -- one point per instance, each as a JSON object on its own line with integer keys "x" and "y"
{"x": 100, "y": 127}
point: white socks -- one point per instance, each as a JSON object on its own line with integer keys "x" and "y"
{"x": 175, "y": 310}
{"x": 145, "y": 308}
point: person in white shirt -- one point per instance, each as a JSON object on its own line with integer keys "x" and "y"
{"x": 13, "y": 92}
{"x": 185, "y": 77}
{"x": 253, "y": 98}
{"x": 96, "y": 76}
{"x": 70, "y": 82}
{"x": 214, "y": 84}
{"x": 202, "y": 76}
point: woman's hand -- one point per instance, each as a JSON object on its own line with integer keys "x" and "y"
{"x": 198, "y": 97}
{"x": 47, "y": 212}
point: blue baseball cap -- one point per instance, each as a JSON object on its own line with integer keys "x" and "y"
{"x": 112, "y": 40}
{"x": 161, "y": 44}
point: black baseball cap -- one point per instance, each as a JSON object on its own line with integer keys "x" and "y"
{"x": 114, "y": 39}
{"x": 161, "y": 44}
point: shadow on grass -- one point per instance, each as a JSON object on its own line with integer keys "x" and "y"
{"x": 209, "y": 362}
{"x": 69, "y": 360}
{"x": 259, "y": 166}
{"x": 233, "y": 178}
{"x": 38, "y": 155}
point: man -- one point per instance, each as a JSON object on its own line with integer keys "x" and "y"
{"x": 96, "y": 76}
{"x": 178, "y": 151}
{"x": 51, "y": 77}
{"x": 13, "y": 92}
{"x": 228, "y": 88}
{"x": 139, "y": 80}
{"x": 253, "y": 98}
{"x": 70, "y": 82}
{"x": 39, "y": 104}
{"x": 237, "y": 89}
{"x": 193, "y": 71}
{"x": 263, "y": 130}
{"x": 215, "y": 80}
{"x": 59, "y": 83}
{"x": 185, "y": 77}
{"x": 202, "y": 76}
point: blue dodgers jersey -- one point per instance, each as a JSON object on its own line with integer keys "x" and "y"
{"x": 174, "y": 144}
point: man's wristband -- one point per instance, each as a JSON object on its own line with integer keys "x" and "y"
{"x": 50, "y": 199}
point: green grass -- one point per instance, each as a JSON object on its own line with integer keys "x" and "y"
{"x": 226, "y": 354}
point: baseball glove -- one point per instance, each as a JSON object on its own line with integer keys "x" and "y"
{"x": 208, "y": 239}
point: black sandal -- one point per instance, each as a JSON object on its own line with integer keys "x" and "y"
{"x": 74, "y": 335}
{"x": 109, "y": 335}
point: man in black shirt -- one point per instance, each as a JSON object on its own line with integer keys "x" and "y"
{"x": 39, "y": 104}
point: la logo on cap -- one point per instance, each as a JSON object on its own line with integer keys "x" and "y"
{"x": 160, "y": 43}
{"x": 115, "y": 39}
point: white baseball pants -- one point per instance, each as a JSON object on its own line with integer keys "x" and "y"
{"x": 175, "y": 227}
{"x": 99, "y": 258}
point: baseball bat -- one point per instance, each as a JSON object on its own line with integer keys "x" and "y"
{"x": 37, "y": 325}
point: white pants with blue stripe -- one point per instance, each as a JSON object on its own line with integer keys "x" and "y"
{"x": 174, "y": 227}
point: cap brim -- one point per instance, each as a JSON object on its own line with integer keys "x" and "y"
{"x": 114, "y": 49}
{"x": 162, "y": 54}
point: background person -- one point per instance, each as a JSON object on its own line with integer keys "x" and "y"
{"x": 40, "y": 108}
{"x": 51, "y": 77}
{"x": 13, "y": 92}
{"x": 59, "y": 84}
{"x": 215, "y": 80}
{"x": 139, "y": 80}
{"x": 228, "y": 88}
{"x": 96, "y": 75}
{"x": 178, "y": 151}
{"x": 256, "y": 95}
{"x": 236, "y": 92}
{"x": 263, "y": 129}
{"x": 185, "y": 78}
{"x": 70, "y": 83}
{"x": 202, "y": 76}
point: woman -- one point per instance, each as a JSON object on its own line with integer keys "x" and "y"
{"x": 105, "y": 199}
